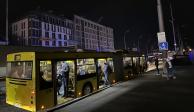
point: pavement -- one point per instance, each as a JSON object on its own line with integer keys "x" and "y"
{"x": 146, "y": 93}
{"x": 149, "y": 93}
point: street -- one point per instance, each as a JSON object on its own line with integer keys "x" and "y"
{"x": 147, "y": 93}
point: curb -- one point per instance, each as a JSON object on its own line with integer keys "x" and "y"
{"x": 78, "y": 99}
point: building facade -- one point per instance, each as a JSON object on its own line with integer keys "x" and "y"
{"x": 92, "y": 36}
{"x": 42, "y": 29}
{"x": 48, "y": 30}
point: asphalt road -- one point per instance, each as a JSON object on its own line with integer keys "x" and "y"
{"x": 145, "y": 94}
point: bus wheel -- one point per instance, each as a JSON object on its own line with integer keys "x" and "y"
{"x": 87, "y": 89}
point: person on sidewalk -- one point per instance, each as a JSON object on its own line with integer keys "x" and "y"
{"x": 170, "y": 69}
{"x": 156, "y": 64}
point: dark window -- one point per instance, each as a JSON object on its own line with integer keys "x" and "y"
{"x": 53, "y": 35}
{"x": 60, "y": 43}
{"x": 65, "y": 37}
{"x": 54, "y": 43}
{"x": 47, "y": 43}
{"x": 59, "y": 36}
{"x": 47, "y": 34}
{"x": 65, "y": 43}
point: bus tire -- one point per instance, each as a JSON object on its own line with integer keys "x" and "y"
{"x": 87, "y": 89}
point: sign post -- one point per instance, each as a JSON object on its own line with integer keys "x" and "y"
{"x": 163, "y": 47}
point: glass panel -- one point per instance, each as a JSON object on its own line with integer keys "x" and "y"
{"x": 85, "y": 66}
{"x": 110, "y": 63}
{"x": 20, "y": 69}
{"x": 127, "y": 62}
{"x": 46, "y": 70}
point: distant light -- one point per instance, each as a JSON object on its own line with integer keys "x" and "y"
{"x": 114, "y": 81}
{"x": 183, "y": 50}
{"x": 190, "y": 49}
{"x": 79, "y": 93}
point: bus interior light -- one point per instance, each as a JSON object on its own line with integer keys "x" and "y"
{"x": 42, "y": 107}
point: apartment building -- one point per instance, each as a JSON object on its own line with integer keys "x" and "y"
{"x": 93, "y": 36}
{"x": 43, "y": 29}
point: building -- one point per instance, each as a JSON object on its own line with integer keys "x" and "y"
{"x": 49, "y": 30}
{"x": 92, "y": 36}
{"x": 43, "y": 29}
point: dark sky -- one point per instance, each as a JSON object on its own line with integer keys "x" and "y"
{"x": 139, "y": 16}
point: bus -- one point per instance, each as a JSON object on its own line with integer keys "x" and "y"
{"x": 35, "y": 80}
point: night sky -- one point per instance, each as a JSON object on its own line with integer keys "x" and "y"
{"x": 139, "y": 16}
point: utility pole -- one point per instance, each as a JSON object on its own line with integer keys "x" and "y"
{"x": 173, "y": 29}
{"x": 161, "y": 29}
{"x": 160, "y": 16}
{"x": 7, "y": 23}
{"x": 125, "y": 39}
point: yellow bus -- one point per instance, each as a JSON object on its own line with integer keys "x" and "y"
{"x": 35, "y": 80}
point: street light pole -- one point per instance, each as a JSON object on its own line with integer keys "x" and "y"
{"x": 7, "y": 28}
{"x": 125, "y": 39}
{"x": 172, "y": 21}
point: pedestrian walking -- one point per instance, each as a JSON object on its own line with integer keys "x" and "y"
{"x": 170, "y": 68}
{"x": 156, "y": 64}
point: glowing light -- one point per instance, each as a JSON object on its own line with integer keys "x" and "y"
{"x": 79, "y": 93}
{"x": 115, "y": 81}
{"x": 42, "y": 107}
{"x": 33, "y": 92}
{"x": 183, "y": 50}
{"x": 190, "y": 50}
{"x": 94, "y": 88}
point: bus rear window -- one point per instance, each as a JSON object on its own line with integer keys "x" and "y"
{"x": 20, "y": 69}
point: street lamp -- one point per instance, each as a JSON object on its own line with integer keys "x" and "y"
{"x": 172, "y": 21}
{"x": 124, "y": 38}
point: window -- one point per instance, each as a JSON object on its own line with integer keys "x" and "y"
{"x": 54, "y": 43}
{"x": 47, "y": 34}
{"x": 85, "y": 66}
{"x": 45, "y": 75}
{"x": 59, "y": 36}
{"x": 127, "y": 62}
{"x": 53, "y": 35}
{"x": 110, "y": 63}
{"x": 65, "y": 43}
{"x": 65, "y": 37}
{"x": 21, "y": 69}
{"x": 47, "y": 43}
{"x": 60, "y": 43}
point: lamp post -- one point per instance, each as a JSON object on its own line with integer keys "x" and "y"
{"x": 125, "y": 39}
{"x": 7, "y": 40}
{"x": 172, "y": 21}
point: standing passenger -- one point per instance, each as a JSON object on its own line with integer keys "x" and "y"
{"x": 106, "y": 81}
{"x": 65, "y": 75}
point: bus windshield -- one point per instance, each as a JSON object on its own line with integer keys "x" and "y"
{"x": 20, "y": 69}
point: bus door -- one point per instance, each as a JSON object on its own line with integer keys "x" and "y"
{"x": 100, "y": 73}
{"x": 45, "y": 90}
{"x": 65, "y": 80}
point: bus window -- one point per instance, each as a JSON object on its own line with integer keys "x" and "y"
{"x": 110, "y": 63}
{"x": 45, "y": 74}
{"x": 85, "y": 66}
{"x": 20, "y": 69}
{"x": 127, "y": 62}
